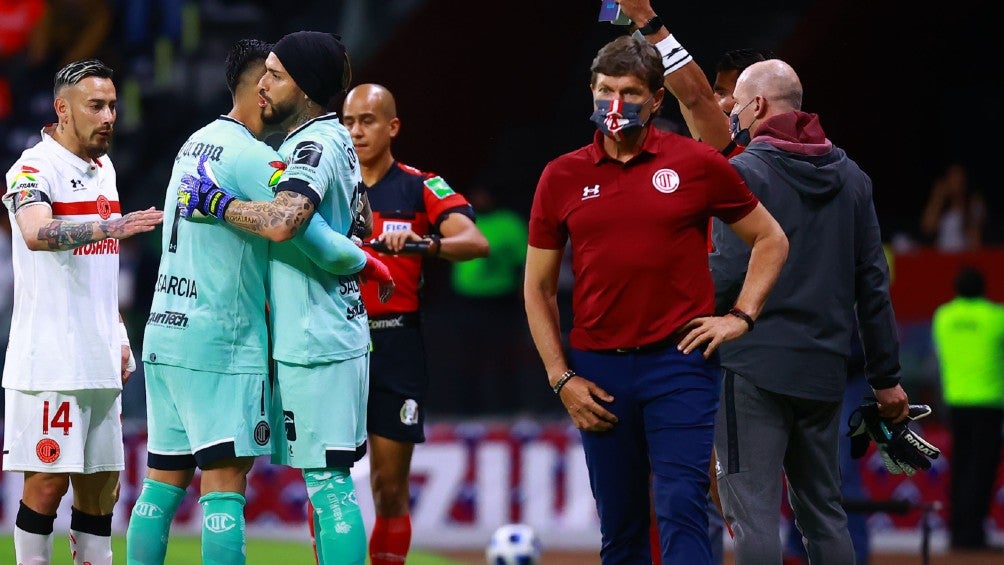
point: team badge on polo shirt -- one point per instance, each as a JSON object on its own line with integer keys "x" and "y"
{"x": 104, "y": 207}
{"x": 666, "y": 181}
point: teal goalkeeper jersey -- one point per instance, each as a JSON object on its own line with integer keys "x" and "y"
{"x": 208, "y": 310}
{"x": 318, "y": 316}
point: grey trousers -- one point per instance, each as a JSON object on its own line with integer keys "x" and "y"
{"x": 759, "y": 434}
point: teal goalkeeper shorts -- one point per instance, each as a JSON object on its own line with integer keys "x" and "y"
{"x": 195, "y": 418}
{"x": 320, "y": 413}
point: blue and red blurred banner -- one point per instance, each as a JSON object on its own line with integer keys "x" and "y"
{"x": 470, "y": 477}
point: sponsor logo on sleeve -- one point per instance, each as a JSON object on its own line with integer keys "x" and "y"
{"x": 439, "y": 187}
{"x": 280, "y": 168}
{"x": 27, "y": 174}
{"x": 25, "y": 195}
{"x": 307, "y": 153}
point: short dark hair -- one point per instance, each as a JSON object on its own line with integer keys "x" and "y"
{"x": 969, "y": 282}
{"x": 739, "y": 59}
{"x": 627, "y": 56}
{"x": 241, "y": 56}
{"x": 77, "y": 71}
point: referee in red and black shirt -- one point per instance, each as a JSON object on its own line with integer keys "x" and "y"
{"x": 415, "y": 215}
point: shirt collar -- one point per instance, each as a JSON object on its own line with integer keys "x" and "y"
{"x": 57, "y": 149}
{"x": 328, "y": 116}
{"x": 597, "y": 154}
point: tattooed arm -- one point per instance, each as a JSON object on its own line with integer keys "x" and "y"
{"x": 42, "y": 232}
{"x": 276, "y": 220}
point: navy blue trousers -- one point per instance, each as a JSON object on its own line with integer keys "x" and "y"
{"x": 665, "y": 403}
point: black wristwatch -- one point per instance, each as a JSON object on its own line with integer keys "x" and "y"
{"x": 651, "y": 26}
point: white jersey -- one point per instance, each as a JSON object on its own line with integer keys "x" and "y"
{"x": 65, "y": 327}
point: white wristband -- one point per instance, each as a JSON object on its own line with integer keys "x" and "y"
{"x": 123, "y": 333}
{"x": 131, "y": 363}
{"x": 674, "y": 56}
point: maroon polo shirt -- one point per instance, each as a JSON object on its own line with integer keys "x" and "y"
{"x": 638, "y": 233}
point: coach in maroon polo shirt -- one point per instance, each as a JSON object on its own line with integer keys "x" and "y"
{"x": 642, "y": 381}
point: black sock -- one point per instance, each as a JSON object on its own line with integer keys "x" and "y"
{"x": 32, "y": 522}
{"x": 90, "y": 524}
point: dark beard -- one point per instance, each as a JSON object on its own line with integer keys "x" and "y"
{"x": 97, "y": 149}
{"x": 278, "y": 115}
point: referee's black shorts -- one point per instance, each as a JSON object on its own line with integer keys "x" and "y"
{"x": 399, "y": 379}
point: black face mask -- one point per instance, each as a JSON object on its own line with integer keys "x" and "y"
{"x": 740, "y": 136}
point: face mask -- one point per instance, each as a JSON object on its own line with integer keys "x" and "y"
{"x": 740, "y": 136}
{"x": 616, "y": 118}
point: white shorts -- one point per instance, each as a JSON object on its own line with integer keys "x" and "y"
{"x": 77, "y": 431}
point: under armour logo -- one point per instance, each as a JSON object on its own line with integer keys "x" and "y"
{"x": 77, "y": 184}
{"x": 590, "y": 192}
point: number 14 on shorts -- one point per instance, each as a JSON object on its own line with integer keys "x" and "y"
{"x": 59, "y": 419}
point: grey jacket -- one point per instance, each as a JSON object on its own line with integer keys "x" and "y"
{"x": 836, "y": 267}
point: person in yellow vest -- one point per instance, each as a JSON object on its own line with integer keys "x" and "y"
{"x": 968, "y": 334}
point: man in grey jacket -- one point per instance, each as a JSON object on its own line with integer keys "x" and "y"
{"x": 784, "y": 381}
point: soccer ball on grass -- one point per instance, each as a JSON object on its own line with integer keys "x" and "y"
{"x": 513, "y": 544}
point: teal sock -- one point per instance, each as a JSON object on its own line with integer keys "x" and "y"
{"x": 339, "y": 530}
{"x": 223, "y": 529}
{"x": 150, "y": 522}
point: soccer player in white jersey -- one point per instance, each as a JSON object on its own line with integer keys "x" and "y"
{"x": 321, "y": 330}
{"x": 69, "y": 354}
{"x": 206, "y": 342}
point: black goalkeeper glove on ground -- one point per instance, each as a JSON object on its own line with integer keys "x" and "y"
{"x": 902, "y": 449}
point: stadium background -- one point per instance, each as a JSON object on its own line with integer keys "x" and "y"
{"x": 487, "y": 95}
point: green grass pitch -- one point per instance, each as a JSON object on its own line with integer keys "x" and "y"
{"x": 185, "y": 550}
